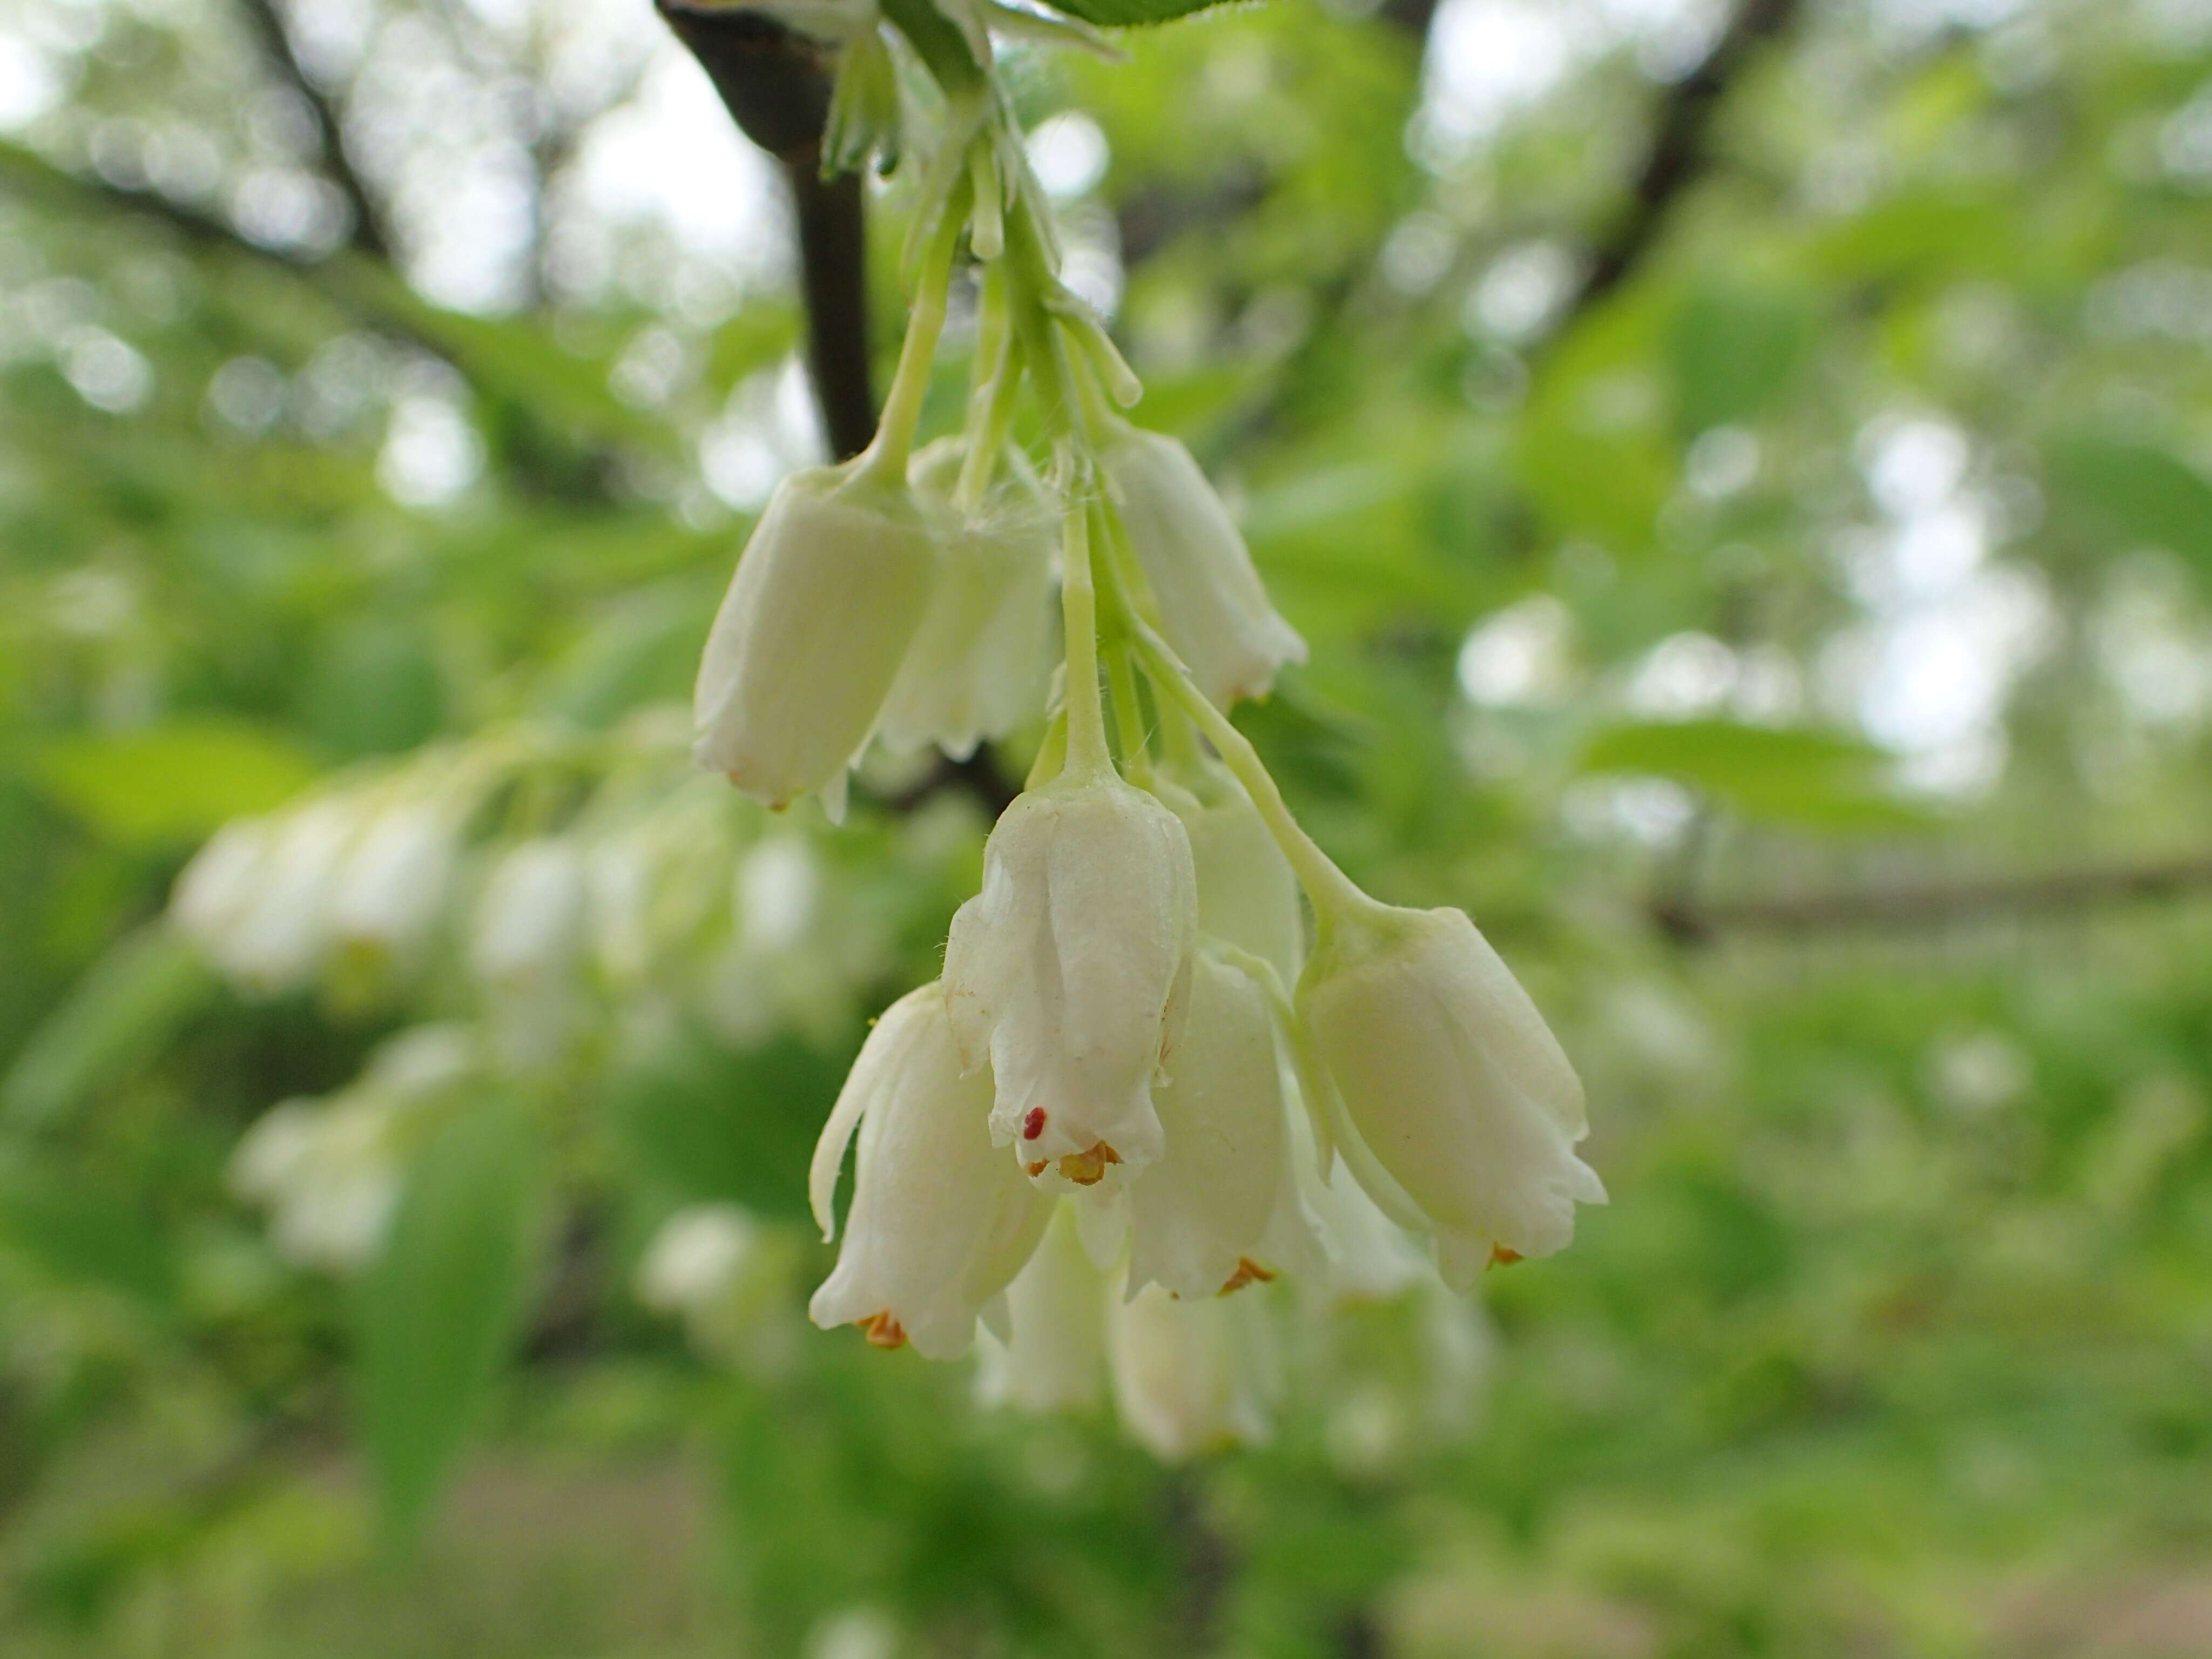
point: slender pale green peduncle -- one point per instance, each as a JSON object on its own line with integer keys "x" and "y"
{"x": 1336, "y": 897}
{"x": 886, "y": 458}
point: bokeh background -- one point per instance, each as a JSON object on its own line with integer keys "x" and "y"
{"x": 1745, "y": 472}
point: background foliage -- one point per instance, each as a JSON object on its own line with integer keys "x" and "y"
{"x": 1746, "y": 477}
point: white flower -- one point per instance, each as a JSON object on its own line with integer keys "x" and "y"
{"x": 1214, "y": 608}
{"x": 1069, "y": 973}
{"x": 1219, "y": 1208}
{"x": 272, "y": 938}
{"x": 979, "y": 662}
{"x": 818, "y": 620}
{"x": 330, "y": 1174}
{"x": 528, "y": 947}
{"x": 530, "y": 920}
{"x": 391, "y": 890}
{"x": 1192, "y": 1374}
{"x": 225, "y": 877}
{"x": 940, "y": 1222}
{"x": 695, "y": 1259}
{"x": 1452, "y": 1084}
{"x": 1247, "y": 894}
{"x": 1055, "y": 1359}
{"x": 422, "y": 1061}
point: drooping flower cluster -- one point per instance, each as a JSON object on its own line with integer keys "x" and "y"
{"x": 1115, "y": 1069}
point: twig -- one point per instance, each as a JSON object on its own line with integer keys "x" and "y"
{"x": 1680, "y": 150}
{"x": 1930, "y": 904}
{"x": 368, "y": 232}
{"x": 776, "y": 83}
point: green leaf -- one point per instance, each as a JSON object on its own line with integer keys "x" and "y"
{"x": 2141, "y": 489}
{"x": 1122, "y": 13}
{"x": 704, "y": 1124}
{"x": 81, "y": 1236}
{"x": 1813, "y": 780}
{"x": 440, "y": 1305}
{"x": 119, "y": 1015}
{"x": 169, "y": 784}
{"x": 1735, "y": 350}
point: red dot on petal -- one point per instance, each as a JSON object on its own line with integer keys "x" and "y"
{"x": 1033, "y": 1125}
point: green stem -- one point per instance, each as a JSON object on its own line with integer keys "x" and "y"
{"x": 1087, "y": 755}
{"x": 1335, "y": 896}
{"x": 888, "y": 455}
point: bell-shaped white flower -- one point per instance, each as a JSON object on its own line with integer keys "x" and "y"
{"x": 391, "y": 890}
{"x": 258, "y": 895}
{"x": 1213, "y": 609}
{"x": 1247, "y": 893}
{"x": 940, "y": 1222}
{"x": 1055, "y": 1358}
{"x": 330, "y": 1174}
{"x": 1219, "y": 1209}
{"x": 978, "y": 664}
{"x": 826, "y": 600}
{"x": 695, "y": 1260}
{"x": 527, "y": 949}
{"x": 1454, "y": 1094}
{"x": 1193, "y": 1375}
{"x": 530, "y": 920}
{"x": 1070, "y": 971}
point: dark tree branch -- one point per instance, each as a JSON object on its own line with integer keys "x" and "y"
{"x": 1680, "y": 150}
{"x": 776, "y": 83}
{"x": 1931, "y": 904}
{"x": 276, "y": 41}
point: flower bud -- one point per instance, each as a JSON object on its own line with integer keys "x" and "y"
{"x": 1069, "y": 972}
{"x": 1452, "y": 1082}
{"x": 1214, "y": 608}
{"x": 1055, "y": 1359}
{"x": 1200, "y": 1218}
{"x": 939, "y": 1222}
{"x": 978, "y": 661}
{"x": 1192, "y": 1374}
{"x": 818, "y": 620}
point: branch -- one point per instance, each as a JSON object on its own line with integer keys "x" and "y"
{"x": 277, "y": 45}
{"x": 776, "y": 83}
{"x": 1680, "y": 150}
{"x": 1930, "y": 904}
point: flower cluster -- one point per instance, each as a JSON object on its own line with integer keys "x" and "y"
{"x": 1133, "y": 1060}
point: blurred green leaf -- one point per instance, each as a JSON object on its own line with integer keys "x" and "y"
{"x": 119, "y": 1015}
{"x": 442, "y": 1303}
{"x": 2139, "y": 488}
{"x": 1815, "y": 780}
{"x": 706, "y": 1124}
{"x": 82, "y": 1235}
{"x": 1735, "y": 350}
{"x": 171, "y": 783}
